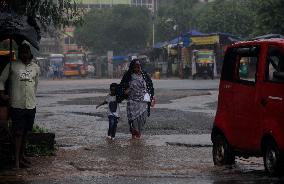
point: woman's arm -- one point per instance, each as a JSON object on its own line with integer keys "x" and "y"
{"x": 122, "y": 92}
{"x": 125, "y": 80}
{"x": 150, "y": 89}
{"x": 149, "y": 85}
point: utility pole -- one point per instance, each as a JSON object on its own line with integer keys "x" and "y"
{"x": 153, "y": 19}
{"x": 154, "y": 9}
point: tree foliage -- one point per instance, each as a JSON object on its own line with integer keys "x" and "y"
{"x": 119, "y": 28}
{"x": 270, "y": 16}
{"x": 227, "y": 16}
{"x": 47, "y": 12}
{"x": 237, "y": 17}
{"x": 171, "y": 20}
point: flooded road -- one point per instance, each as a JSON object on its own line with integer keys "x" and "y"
{"x": 175, "y": 147}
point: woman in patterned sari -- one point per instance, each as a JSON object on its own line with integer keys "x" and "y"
{"x": 135, "y": 84}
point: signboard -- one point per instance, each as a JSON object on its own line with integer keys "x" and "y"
{"x": 205, "y": 40}
{"x": 185, "y": 41}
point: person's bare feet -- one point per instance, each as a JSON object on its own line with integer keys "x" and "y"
{"x": 135, "y": 137}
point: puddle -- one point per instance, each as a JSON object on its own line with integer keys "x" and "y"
{"x": 212, "y": 105}
{"x": 100, "y": 115}
{"x": 82, "y": 101}
{"x": 193, "y": 140}
{"x": 167, "y": 96}
{"x": 76, "y": 91}
{"x": 189, "y": 145}
{"x": 43, "y": 96}
{"x": 69, "y": 146}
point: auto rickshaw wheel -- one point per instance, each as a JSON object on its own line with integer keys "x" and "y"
{"x": 222, "y": 151}
{"x": 273, "y": 162}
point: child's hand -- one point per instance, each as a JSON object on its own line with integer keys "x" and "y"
{"x": 127, "y": 92}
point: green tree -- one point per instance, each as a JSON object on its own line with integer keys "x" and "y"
{"x": 171, "y": 20}
{"x": 230, "y": 16}
{"x": 166, "y": 25}
{"x": 121, "y": 28}
{"x": 239, "y": 17}
{"x": 270, "y": 16}
{"x": 46, "y": 12}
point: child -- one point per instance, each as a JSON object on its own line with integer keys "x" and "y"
{"x": 113, "y": 110}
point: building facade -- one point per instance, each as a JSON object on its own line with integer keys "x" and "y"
{"x": 90, "y": 4}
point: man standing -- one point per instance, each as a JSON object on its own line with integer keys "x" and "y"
{"x": 23, "y": 77}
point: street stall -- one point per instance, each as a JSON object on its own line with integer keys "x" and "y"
{"x": 120, "y": 65}
{"x": 43, "y": 63}
{"x": 181, "y": 54}
{"x": 177, "y": 54}
{"x": 215, "y": 44}
{"x": 174, "y": 49}
{"x": 159, "y": 56}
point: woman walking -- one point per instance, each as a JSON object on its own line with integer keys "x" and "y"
{"x": 137, "y": 88}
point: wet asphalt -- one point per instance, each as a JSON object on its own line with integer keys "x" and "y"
{"x": 175, "y": 147}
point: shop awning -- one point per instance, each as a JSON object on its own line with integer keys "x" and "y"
{"x": 160, "y": 45}
{"x": 119, "y": 58}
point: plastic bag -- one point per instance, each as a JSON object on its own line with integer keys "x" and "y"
{"x": 147, "y": 97}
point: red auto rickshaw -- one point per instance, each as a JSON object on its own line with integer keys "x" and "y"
{"x": 250, "y": 114}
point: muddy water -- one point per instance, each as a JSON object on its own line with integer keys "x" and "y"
{"x": 175, "y": 147}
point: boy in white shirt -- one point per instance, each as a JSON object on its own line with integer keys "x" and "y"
{"x": 113, "y": 110}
